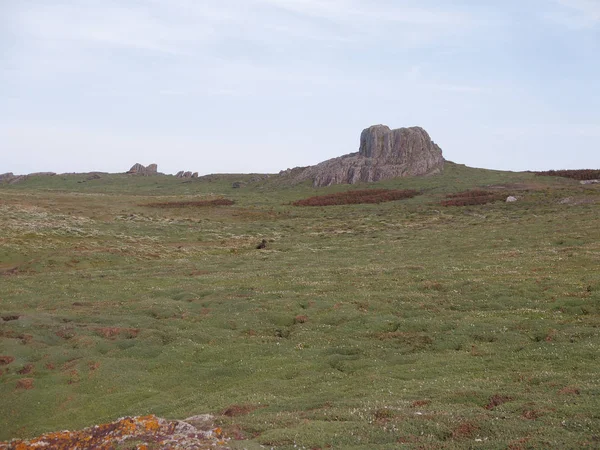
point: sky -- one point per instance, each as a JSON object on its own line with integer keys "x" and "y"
{"x": 240, "y": 86}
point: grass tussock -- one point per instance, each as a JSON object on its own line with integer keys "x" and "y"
{"x": 473, "y": 197}
{"x": 191, "y": 204}
{"x": 583, "y": 174}
{"x": 358, "y": 197}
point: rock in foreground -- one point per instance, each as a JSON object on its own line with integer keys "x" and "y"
{"x": 143, "y": 432}
{"x": 383, "y": 154}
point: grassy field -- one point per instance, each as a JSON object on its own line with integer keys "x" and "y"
{"x": 375, "y": 326}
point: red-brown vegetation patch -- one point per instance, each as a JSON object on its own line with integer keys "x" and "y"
{"x": 10, "y": 317}
{"x": 50, "y": 366}
{"x": 238, "y": 410}
{"x": 25, "y": 383}
{"x": 582, "y": 174}
{"x": 25, "y": 338}
{"x": 66, "y": 333}
{"x": 465, "y": 430}
{"x": 419, "y": 403}
{"x": 569, "y": 390}
{"x": 114, "y": 332}
{"x": 300, "y": 319}
{"x": 357, "y": 197}
{"x": 191, "y": 203}
{"x": 384, "y": 414}
{"x": 531, "y": 414}
{"x": 5, "y": 360}
{"x": 474, "y": 197}
{"x": 497, "y": 400}
{"x": 26, "y": 369}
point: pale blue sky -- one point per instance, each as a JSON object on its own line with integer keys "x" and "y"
{"x": 263, "y": 85}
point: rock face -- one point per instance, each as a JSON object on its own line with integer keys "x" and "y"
{"x": 138, "y": 169}
{"x": 184, "y": 174}
{"x": 383, "y": 154}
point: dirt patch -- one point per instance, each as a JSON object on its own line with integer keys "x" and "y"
{"x": 27, "y": 369}
{"x": 300, "y": 319}
{"x": 25, "y": 383}
{"x": 419, "y": 403}
{"x": 9, "y": 318}
{"x": 497, "y": 400}
{"x": 114, "y": 332}
{"x": 465, "y": 430}
{"x": 357, "y": 197}
{"x": 25, "y": 338}
{"x": 5, "y": 360}
{"x": 238, "y": 410}
{"x": 569, "y": 390}
{"x": 531, "y": 414}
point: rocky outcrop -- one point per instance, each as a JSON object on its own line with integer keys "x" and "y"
{"x": 182, "y": 174}
{"x": 197, "y": 432}
{"x": 383, "y": 154}
{"x": 138, "y": 169}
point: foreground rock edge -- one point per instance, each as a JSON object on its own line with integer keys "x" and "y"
{"x": 193, "y": 433}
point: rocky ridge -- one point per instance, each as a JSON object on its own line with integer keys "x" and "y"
{"x": 384, "y": 153}
{"x": 139, "y": 169}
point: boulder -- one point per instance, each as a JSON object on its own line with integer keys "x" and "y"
{"x": 179, "y": 174}
{"x": 138, "y": 169}
{"x": 195, "y": 175}
{"x": 6, "y": 177}
{"x": 590, "y": 182}
{"x": 511, "y": 199}
{"x": 383, "y": 154}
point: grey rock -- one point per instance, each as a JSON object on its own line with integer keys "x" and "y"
{"x": 383, "y": 154}
{"x": 511, "y": 199}
{"x": 187, "y": 175}
{"x": 138, "y": 169}
{"x": 590, "y": 182}
{"x": 6, "y": 176}
{"x": 195, "y": 175}
{"x": 179, "y": 174}
{"x": 237, "y": 184}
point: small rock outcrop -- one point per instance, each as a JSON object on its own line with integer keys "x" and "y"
{"x": 138, "y": 169}
{"x": 186, "y": 174}
{"x": 590, "y": 182}
{"x": 383, "y": 154}
{"x": 511, "y": 199}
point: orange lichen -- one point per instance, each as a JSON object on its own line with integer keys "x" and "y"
{"x": 150, "y": 430}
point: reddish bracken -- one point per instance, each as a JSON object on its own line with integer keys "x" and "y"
{"x": 141, "y": 432}
{"x": 474, "y": 197}
{"x": 584, "y": 174}
{"x": 357, "y": 197}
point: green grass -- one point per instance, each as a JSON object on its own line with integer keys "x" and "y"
{"x": 404, "y": 302}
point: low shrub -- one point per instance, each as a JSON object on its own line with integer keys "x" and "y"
{"x": 474, "y": 197}
{"x": 583, "y": 174}
{"x": 357, "y": 197}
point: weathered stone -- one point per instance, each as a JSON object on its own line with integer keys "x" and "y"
{"x": 138, "y": 169}
{"x": 511, "y": 199}
{"x": 179, "y": 174}
{"x": 383, "y": 154}
{"x": 237, "y": 184}
{"x": 195, "y": 175}
{"x": 6, "y": 176}
{"x": 590, "y": 182}
{"x": 187, "y": 175}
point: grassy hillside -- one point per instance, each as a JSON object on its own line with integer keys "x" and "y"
{"x": 358, "y": 326}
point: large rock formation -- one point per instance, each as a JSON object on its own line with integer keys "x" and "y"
{"x": 138, "y": 169}
{"x": 383, "y": 154}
